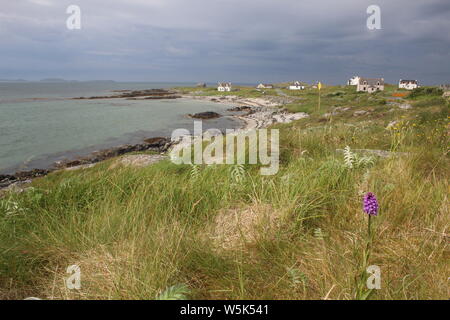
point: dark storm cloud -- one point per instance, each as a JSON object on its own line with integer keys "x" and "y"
{"x": 240, "y": 41}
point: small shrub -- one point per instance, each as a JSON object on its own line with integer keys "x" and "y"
{"x": 176, "y": 292}
{"x": 352, "y": 160}
{"x": 336, "y": 94}
{"x": 436, "y": 101}
{"x": 426, "y": 91}
{"x": 426, "y": 116}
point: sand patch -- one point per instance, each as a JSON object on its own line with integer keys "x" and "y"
{"x": 235, "y": 228}
{"x": 138, "y": 160}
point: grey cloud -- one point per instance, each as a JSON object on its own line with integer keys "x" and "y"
{"x": 240, "y": 41}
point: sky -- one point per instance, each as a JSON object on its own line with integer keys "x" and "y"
{"x": 242, "y": 41}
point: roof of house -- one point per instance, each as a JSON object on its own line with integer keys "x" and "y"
{"x": 372, "y": 81}
{"x": 408, "y": 81}
{"x": 224, "y": 84}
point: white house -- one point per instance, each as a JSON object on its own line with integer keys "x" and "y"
{"x": 264, "y": 86}
{"x": 408, "y": 84}
{"x": 353, "y": 81}
{"x": 370, "y": 85}
{"x": 224, "y": 86}
{"x": 296, "y": 86}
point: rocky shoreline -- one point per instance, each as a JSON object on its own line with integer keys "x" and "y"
{"x": 158, "y": 144}
{"x": 258, "y": 113}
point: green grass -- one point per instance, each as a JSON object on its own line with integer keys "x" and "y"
{"x": 426, "y": 92}
{"x": 429, "y": 102}
{"x": 137, "y": 233}
{"x": 240, "y": 91}
{"x": 331, "y": 96}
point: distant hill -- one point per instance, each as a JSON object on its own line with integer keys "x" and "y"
{"x": 58, "y": 80}
{"x": 13, "y": 80}
{"x": 103, "y": 81}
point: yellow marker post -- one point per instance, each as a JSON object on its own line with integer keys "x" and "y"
{"x": 319, "y": 86}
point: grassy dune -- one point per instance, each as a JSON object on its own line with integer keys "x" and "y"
{"x": 300, "y": 234}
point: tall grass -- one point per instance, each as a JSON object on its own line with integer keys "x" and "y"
{"x": 137, "y": 233}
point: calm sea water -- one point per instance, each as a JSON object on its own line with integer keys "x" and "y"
{"x": 40, "y": 125}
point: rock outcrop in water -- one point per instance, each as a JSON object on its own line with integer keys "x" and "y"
{"x": 149, "y": 94}
{"x": 205, "y": 115}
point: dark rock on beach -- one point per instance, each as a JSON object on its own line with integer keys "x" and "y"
{"x": 240, "y": 108}
{"x": 157, "y": 141}
{"x": 205, "y": 115}
{"x": 6, "y": 180}
{"x": 35, "y": 173}
{"x": 158, "y": 144}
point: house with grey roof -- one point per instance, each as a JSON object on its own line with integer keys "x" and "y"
{"x": 296, "y": 85}
{"x": 408, "y": 84}
{"x": 264, "y": 86}
{"x": 370, "y": 85}
{"x": 224, "y": 86}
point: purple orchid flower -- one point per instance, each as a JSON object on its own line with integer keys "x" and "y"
{"x": 370, "y": 204}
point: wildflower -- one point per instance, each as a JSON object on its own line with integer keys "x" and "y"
{"x": 371, "y": 208}
{"x": 370, "y": 204}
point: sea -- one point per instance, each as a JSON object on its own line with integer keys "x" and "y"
{"x": 41, "y": 124}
